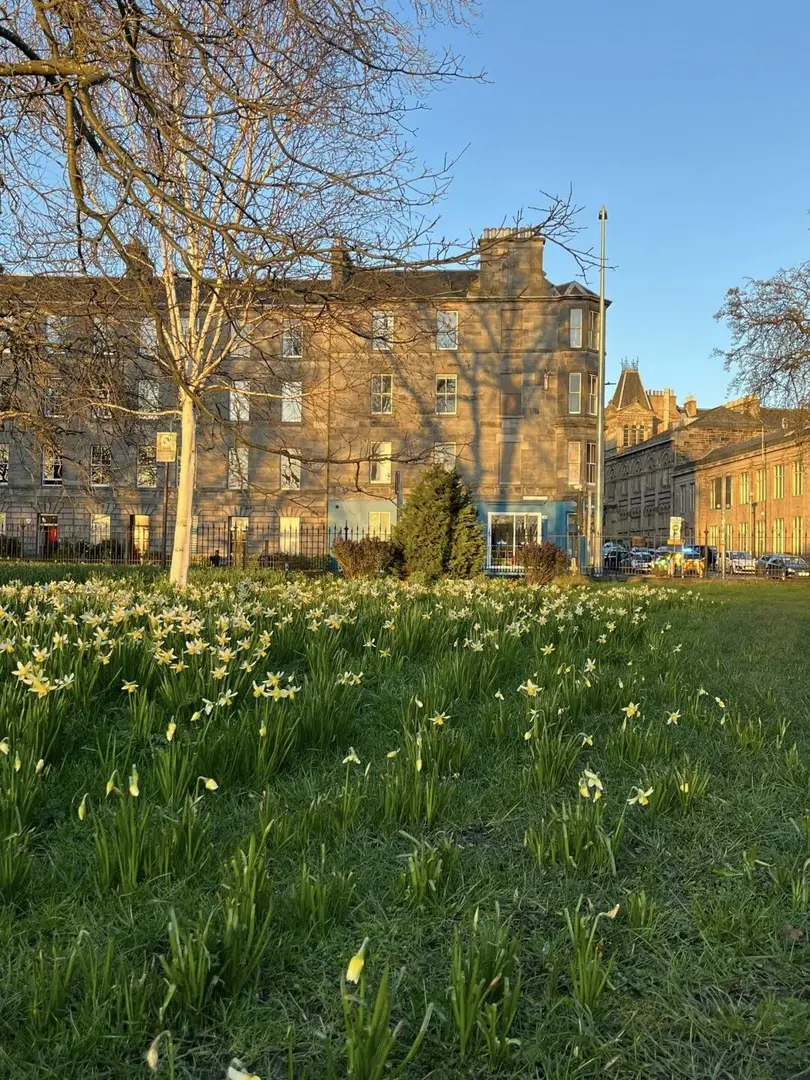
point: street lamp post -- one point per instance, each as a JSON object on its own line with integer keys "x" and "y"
{"x": 599, "y": 508}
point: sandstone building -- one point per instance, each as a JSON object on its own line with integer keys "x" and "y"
{"x": 320, "y": 421}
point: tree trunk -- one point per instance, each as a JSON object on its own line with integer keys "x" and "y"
{"x": 181, "y": 549}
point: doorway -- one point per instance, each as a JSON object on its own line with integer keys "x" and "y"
{"x": 238, "y": 541}
{"x": 139, "y": 536}
{"x": 48, "y": 535}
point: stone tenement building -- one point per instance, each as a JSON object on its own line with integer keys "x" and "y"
{"x": 648, "y": 482}
{"x": 757, "y": 490}
{"x": 324, "y": 417}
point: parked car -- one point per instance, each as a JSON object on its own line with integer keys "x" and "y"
{"x": 740, "y": 562}
{"x": 763, "y": 561}
{"x": 785, "y": 566}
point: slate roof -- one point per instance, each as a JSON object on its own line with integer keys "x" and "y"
{"x": 630, "y": 391}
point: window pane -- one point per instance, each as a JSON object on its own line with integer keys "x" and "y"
{"x": 146, "y": 469}
{"x": 576, "y": 328}
{"x": 446, "y": 386}
{"x": 574, "y": 462}
{"x": 574, "y": 392}
{"x": 593, "y": 383}
{"x": 382, "y": 330}
{"x": 379, "y": 466}
{"x": 382, "y": 394}
{"x": 237, "y": 467}
{"x": 291, "y": 403}
{"x": 511, "y": 396}
{"x": 99, "y": 528}
{"x": 148, "y": 395}
{"x": 289, "y": 535}
{"x": 3, "y": 463}
{"x": 444, "y": 454}
{"x": 239, "y": 402}
{"x": 292, "y": 339}
{"x": 446, "y": 329}
{"x": 379, "y": 524}
{"x": 100, "y": 465}
{"x": 290, "y": 471}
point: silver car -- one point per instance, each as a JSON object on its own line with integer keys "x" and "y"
{"x": 740, "y": 562}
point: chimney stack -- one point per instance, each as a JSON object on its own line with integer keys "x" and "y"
{"x": 690, "y": 407}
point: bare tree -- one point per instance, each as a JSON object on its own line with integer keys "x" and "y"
{"x": 196, "y": 158}
{"x": 769, "y": 325}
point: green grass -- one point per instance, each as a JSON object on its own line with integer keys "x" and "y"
{"x": 221, "y": 922}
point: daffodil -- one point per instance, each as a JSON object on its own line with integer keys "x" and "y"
{"x": 170, "y": 730}
{"x": 351, "y": 757}
{"x": 529, "y": 688}
{"x": 83, "y": 807}
{"x": 674, "y": 717}
{"x": 590, "y": 786}
{"x": 356, "y": 964}
{"x": 392, "y": 754}
{"x": 129, "y": 687}
{"x": 720, "y": 702}
{"x": 641, "y": 796}
{"x": 4, "y": 747}
{"x": 209, "y": 783}
{"x": 590, "y": 665}
{"x": 439, "y": 719}
{"x": 631, "y": 710}
{"x": 134, "y": 790}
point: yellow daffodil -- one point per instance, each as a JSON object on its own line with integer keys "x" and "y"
{"x": 548, "y": 650}
{"x": 40, "y": 766}
{"x": 356, "y": 964}
{"x": 720, "y": 702}
{"x": 236, "y": 1073}
{"x": 587, "y": 740}
{"x": 528, "y": 734}
{"x": 351, "y": 757}
{"x": 134, "y": 790}
{"x": 439, "y": 719}
{"x": 4, "y": 747}
{"x": 641, "y": 796}
{"x": 170, "y": 730}
{"x": 83, "y": 807}
{"x": 17, "y": 763}
{"x": 210, "y": 785}
{"x": 529, "y": 688}
{"x": 590, "y": 786}
{"x": 674, "y": 717}
{"x": 392, "y": 754}
{"x": 129, "y": 687}
{"x": 262, "y": 731}
{"x": 631, "y": 710}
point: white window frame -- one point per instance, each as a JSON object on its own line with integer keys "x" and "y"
{"x": 52, "y": 468}
{"x": 590, "y": 464}
{"x": 289, "y": 534}
{"x": 4, "y": 464}
{"x": 593, "y": 330}
{"x": 292, "y": 339}
{"x": 100, "y": 528}
{"x": 292, "y": 402}
{"x": 379, "y": 524}
{"x": 575, "y": 379}
{"x": 447, "y": 330}
{"x": 379, "y": 465}
{"x": 240, "y": 343}
{"x": 382, "y": 330}
{"x": 444, "y": 454}
{"x": 510, "y": 561}
{"x": 102, "y": 397}
{"x": 145, "y": 465}
{"x": 97, "y": 450}
{"x": 381, "y": 394}
{"x": 53, "y": 406}
{"x": 575, "y": 323}
{"x": 239, "y": 402}
{"x": 147, "y": 337}
{"x": 148, "y": 394}
{"x": 238, "y": 466}
{"x": 593, "y": 394}
{"x": 442, "y": 398}
{"x": 577, "y": 479}
{"x": 290, "y": 470}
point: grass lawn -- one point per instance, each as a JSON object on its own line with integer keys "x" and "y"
{"x": 560, "y": 833}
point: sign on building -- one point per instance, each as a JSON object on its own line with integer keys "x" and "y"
{"x": 166, "y": 446}
{"x": 676, "y": 530}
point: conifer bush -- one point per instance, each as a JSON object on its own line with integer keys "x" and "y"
{"x": 438, "y": 531}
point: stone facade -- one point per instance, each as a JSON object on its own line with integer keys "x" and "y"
{"x": 758, "y": 491}
{"x": 648, "y": 483}
{"x": 634, "y": 414}
{"x": 328, "y": 419}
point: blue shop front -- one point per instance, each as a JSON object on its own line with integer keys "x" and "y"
{"x": 509, "y": 525}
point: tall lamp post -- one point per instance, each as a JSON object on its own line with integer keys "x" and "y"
{"x": 599, "y": 508}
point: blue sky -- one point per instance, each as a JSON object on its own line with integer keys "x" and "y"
{"x": 689, "y": 119}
